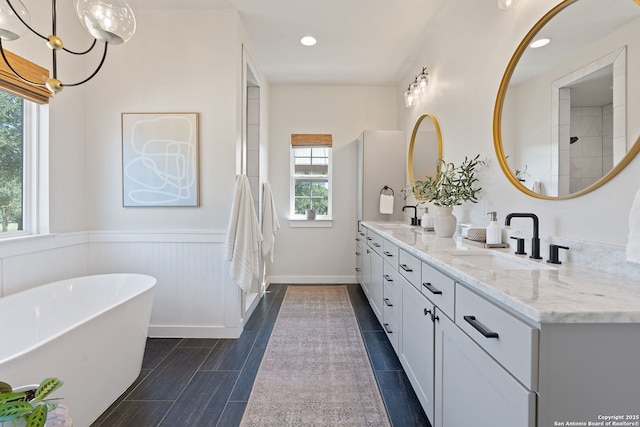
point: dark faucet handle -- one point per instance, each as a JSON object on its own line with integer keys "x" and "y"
{"x": 520, "y": 245}
{"x": 553, "y": 254}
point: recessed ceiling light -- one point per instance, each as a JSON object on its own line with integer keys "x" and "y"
{"x": 539, "y": 43}
{"x": 308, "y": 40}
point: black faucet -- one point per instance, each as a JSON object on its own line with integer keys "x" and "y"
{"x": 414, "y": 220}
{"x": 535, "y": 240}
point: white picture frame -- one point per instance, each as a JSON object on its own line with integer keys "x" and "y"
{"x": 160, "y": 159}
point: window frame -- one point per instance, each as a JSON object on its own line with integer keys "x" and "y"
{"x": 35, "y": 213}
{"x": 293, "y": 177}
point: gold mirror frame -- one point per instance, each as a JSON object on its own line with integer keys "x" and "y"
{"x": 497, "y": 117}
{"x": 413, "y": 141}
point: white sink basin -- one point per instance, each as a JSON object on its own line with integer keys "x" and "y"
{"x": 498, "y": 261}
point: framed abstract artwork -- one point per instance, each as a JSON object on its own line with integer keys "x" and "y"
{"x": 160, "y": 159}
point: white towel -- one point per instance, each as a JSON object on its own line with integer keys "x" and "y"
{"x": 386, "y": 204}
{"x": 270, "y": 223}
{"x": 537, "y": 187}
{"x": 633, "y": 242}
{"x": 243, "y": 236}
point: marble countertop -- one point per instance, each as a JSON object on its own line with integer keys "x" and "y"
{"x": 538, "y": 291}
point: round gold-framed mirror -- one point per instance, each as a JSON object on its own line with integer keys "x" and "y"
{"x": 546, "y": 112}
{"x": 425, "y": 149}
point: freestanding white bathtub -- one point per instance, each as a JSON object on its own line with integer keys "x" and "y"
{"x": 89, "y": 331}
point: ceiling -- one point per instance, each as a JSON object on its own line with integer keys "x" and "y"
{"x": 360, "y": 42}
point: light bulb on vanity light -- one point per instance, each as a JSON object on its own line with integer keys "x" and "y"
{"x": 409, "y": 98}
{"x": 423, "y": 80}
{"x": 506, "y": 4}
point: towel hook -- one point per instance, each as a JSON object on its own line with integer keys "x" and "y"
{"x": 386, "y": 188}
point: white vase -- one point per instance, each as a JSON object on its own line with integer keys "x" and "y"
{"x": 444, "y": 222}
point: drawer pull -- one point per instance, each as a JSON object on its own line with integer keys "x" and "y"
{"x": 358, "y": 253}
{"x": 406, "y": 268}
{"x": 427, "y": 312}
{"x": 361, "y": 233}
{"x": 357, "y": 239}
{"x": 387, "y": 302}
{"x": 387, "y": 278}
{"x": 480, "y": 327}
{"x": 387, "y": 253}
{"x": 357, "y": 269}
{"x": 387, "y": 328}
{"x": 369, "y": 238}
{"x": 377, "y": 245}
{"x": 432, "y": 288}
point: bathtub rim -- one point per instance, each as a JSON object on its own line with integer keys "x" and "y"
{"x": 150, "y": 283}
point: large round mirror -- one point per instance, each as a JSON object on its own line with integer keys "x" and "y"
{"x": 560, "y": 123}
{"x": 425, "y": 149}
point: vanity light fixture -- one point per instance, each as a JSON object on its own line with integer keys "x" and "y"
{"x": 539, "y": 43}
{"x": 112, "y": 22}
{"x": 416, "y": 88}
{"x": 506, "y": 4}
{"x": 308, "y": 40}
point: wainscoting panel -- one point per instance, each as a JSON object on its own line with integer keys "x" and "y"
{"x": 33, "y": 261}
{"x": 194, "y": 296}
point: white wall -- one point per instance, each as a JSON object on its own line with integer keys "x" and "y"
{"x": 322, "y": 254}
{"x": 467, "y": 57}
{"x": 198, "y": 69}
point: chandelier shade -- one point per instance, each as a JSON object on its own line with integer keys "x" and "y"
{"x": 11, "y": 20}
{"x": 108, "y": 21}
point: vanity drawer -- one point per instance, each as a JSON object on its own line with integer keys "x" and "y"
{"x": 513, "y": 343}
{"x": 375, "y": 241}
{"x": 391, "y": 292}
{"x": 390, "y": 253}
{"x": 390, "y": 327}
{"x": 439, "y": 289}
{"x": 409, "y": 267}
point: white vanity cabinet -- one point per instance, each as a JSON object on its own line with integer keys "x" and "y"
{"x": 373, "y": 273}
{"x": 417, "y": 343}
{"x": 471, "y": 388}
{"x": 476, "y": 356}
{"x": 359, "y": 252}
{"x": 391, "y": 294}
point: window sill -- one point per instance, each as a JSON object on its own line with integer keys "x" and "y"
{"x": 310, "y": 223}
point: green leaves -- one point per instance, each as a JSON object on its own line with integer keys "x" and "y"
{"x": 47, "y": 386}
{"x": 38, "y": 417}
{"x": 15, "y": 405}
{"x": 452, "y": 185}
{"x": 13, "y": 410}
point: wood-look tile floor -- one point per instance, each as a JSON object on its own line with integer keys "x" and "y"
{"x": 207, "y": 382}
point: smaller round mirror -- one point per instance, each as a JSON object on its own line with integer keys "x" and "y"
{"x": 425, "y": 149}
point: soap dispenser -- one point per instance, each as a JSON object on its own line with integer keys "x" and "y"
{"x": 427, "y": 220}
{"x": 494, "y": 232}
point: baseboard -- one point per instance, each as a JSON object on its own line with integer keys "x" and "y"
{"x": 165, "y": 331}
{"x": 313, "y": 280}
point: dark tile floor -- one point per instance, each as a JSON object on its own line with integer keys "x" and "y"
{"x": 207, "y": 382}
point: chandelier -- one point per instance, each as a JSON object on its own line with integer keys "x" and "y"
{"x": 110, "y": 21}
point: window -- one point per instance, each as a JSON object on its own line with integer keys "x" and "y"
{"x": 311, "y": 175}
{"x": 19, "y": 124}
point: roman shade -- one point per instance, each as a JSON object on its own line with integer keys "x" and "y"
{"x": 311, "y": 140}
{"x": 33, "y": 72}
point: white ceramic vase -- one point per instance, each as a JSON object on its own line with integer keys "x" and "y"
{"x": 444, "y": 222}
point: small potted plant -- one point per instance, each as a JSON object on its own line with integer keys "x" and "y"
{"x": 27, "y": 406}
{"x": 452, "y": 186}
